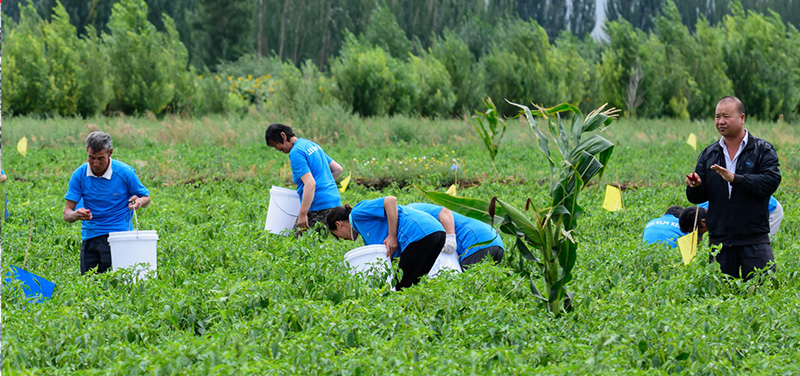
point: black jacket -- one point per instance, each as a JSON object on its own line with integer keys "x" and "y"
{"x": 744, "y": 218}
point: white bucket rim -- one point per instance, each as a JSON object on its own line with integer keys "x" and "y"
{"x": 281, "y": 190}
{"x": 285, "y": 192}
{"x": 367, "y": 249}
{"x": 133, "y": 235}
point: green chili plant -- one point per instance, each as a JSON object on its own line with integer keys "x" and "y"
{"x": 574, "y": 161}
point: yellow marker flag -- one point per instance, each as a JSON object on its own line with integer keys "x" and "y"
{"x": 343, "y": 185}
{"x": 613, "y": 200}
{"x": 692, "y": 141}
{"x": 452, "y": 190}
{"x": 688, "y": 246}
{"x": 22, "y": 146}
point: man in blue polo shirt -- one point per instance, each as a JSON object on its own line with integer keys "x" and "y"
{"x": 465, "y": 232}
{"x": 313, "y": 171}
{"x": 665, "y": 228}
{"x": 108, "y": 190}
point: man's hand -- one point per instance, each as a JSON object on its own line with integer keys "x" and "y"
{"x": 83, "y": 214}
{"x": 136, "y": 202}
{"x": 391, "y": 245}
{"x": 722, "y": 171}
{"x": 302, "y": 220}
{"x": 693, "y": 180}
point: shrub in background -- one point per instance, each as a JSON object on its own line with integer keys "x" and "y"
{"x": 144, "y": 63}
{"x": 466, "y": 74}
{"x": 384, "y": 32}
{"x": 435, "y": 93}
{"x": 364, "y": 77}
{"x": 762, "y": 62}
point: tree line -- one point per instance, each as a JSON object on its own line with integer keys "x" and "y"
{"x": 428, "y": 58}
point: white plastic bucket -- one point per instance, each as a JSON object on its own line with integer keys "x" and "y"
{"x": 369, "y": 260}
{"x": 129, "y": 248}
{"x": 444, "y": 262}
{"x": 284, "y": 206}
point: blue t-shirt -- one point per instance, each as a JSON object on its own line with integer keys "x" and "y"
{"x": 469, "y": 231}
{"x": 305, "y": 157}
{"x": 663, "y": 229}
{"x": 773, "y": 203}
{"x": 107, "y": 199}
{"x": 368, "y": 218}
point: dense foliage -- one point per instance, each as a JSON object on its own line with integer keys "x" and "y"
{"x": 388, "y": 59}
{"x": 228, "y": 299}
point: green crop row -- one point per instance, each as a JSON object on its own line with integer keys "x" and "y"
{"x": 231, "y": 299}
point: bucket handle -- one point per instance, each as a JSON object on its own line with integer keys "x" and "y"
{"x": 136, "y": 220}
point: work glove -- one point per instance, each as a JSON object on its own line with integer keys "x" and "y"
{"x": 450, "y": 244}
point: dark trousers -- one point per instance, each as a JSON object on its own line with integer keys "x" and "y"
{"x": 745, "y": 257}
{"x": 495, "y": 251}
{"x": 418, "y": 258}
{"x": 95, "y": 252}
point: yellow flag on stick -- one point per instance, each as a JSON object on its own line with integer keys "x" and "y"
{"x": 452, "y": 190}
{"x": 688, "y": 246}
{"x": 22, "y": 146}
{"x": 613, "y": 200}
{"x": 345, "y": 182}
{"x": 692, "y": 141}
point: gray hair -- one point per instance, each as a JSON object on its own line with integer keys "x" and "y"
{"x": 97, "y": 141}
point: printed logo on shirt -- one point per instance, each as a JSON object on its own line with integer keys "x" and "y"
{"x": 313, "y": 149}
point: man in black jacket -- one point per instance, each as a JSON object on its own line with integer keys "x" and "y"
{"x": 736, "y": 175}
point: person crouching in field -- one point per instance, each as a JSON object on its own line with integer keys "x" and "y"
{"x": 413, "y": 236}
{"x": 313, "y": 171}
{"x": 109, "y": 190}
{"x": 664, "y": 229}
{"x": 462, "y": 235}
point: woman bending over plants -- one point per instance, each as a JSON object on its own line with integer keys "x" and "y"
{"x": 413, "y": 236}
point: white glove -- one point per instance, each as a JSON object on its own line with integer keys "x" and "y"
{"x": 450, "y": 244}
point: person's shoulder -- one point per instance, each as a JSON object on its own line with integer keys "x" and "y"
{"x": 299, "y": 147}
{"x": 122, "y": 168}
{"x": 81, "y": 170}
{"x": 760, "y": 142}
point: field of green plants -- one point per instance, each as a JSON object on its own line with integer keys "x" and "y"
{"x": 229, "y": 299}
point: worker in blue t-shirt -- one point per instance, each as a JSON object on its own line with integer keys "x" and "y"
{"x": 313, "y": 171}
{"x": 665, "y": 228}
{"x": 413, "y": 236}
{"x": 463, "y": 233}
{"x": 109, "y": 190}
{"x": 3, "y": 176}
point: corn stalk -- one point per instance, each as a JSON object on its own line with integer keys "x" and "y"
{"x": 573, "y": 161}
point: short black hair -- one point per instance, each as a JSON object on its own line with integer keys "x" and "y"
{"x": 339, "y": 213}
{"x": 675, "y": 210}
{"x": 273, "y": 133}
{"x": 735, "y": 100}
{"x": 686, "y": 219}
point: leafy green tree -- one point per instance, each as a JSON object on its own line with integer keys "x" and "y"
{"x": 221, "y": 31}
{"x": 518, "y": 68}
{"x": 25, "y": 80}
{"x": 384, "y": 32}
{"x": 434, "y": 95}
{"x": 364, "y": 77}
{"x": 466, "y": 74}
{"x": 146, "y": 67}
{"x": 630, "y": 68}
{"x": 762, "y": 62}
